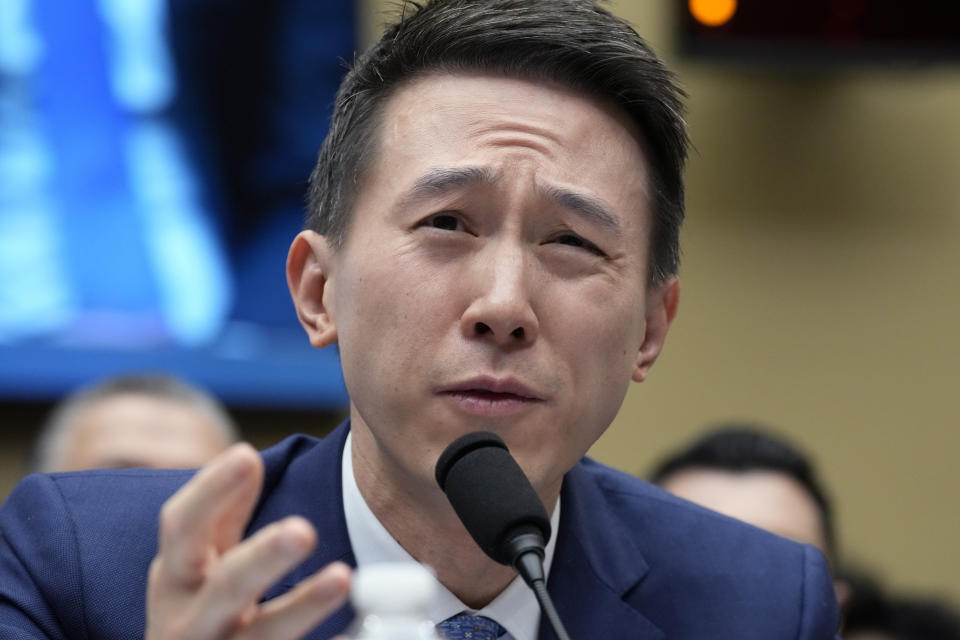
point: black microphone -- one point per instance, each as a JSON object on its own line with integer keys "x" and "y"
{"x": 500, "y": 509}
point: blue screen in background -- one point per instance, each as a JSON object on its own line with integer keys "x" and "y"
{"x": 153, "y": 164}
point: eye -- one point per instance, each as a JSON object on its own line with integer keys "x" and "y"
{"x": 573, "y": 240}
{"x": 445, "y": 221}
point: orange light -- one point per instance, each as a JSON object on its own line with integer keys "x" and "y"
{"x": 712, "y": 13}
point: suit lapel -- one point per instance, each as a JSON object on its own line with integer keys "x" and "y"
{"x": 304, "y": 479}
{"x": 596, "y": 563}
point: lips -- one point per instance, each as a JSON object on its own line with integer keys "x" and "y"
{"x": 492, "y": 397}
{"x": 494, "y": 386}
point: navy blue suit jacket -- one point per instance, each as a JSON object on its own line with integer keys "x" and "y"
{"x": 631, "y": 561}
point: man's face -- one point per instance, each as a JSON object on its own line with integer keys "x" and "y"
{"x": 140, "y": 430}
{"x": 766, "y": 499}
{"x": 494, "y": 276}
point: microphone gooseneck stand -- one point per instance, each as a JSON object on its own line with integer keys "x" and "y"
{"x": 529, "y": 564}
{"x": 500, "y": 509}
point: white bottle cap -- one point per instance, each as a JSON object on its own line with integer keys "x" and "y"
{"x": 392, "y": 588}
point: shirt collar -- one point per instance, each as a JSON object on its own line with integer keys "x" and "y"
{"x": 516, "y": 607}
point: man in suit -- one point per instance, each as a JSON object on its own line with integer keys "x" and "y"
{"x": 492, "y": 245}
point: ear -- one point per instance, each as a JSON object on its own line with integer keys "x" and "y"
{"x": 844, "y": 593}
{"x": 661, "y": 308}
{"x": 308, "y": 277}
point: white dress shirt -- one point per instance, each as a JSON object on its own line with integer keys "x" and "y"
{"x": 516, "y": 607}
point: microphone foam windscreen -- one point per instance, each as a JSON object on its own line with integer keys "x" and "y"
{"x": 490, "y": 493}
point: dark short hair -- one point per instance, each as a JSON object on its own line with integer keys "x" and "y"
{"x": 575, "y": 43}
{"x": 740, "y": 447}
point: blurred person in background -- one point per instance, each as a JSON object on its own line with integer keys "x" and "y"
{"x": 745, "y": 472}
{"x": 148, "y": 421}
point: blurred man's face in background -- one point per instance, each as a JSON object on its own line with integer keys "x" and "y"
{"x": 766, "y": 499}
{"x": 139, "y": 430}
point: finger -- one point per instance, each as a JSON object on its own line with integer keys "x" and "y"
{"x": 295, "y": 613}
{"x": 209, "y": 512}
{"x": 245, "y": 572}
{"x": 233, "y": 522}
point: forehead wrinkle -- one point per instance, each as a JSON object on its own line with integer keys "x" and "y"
{"x": 509, "y": 129}
{"x": 588, "y": 207}
{"x": 538, "y": 140}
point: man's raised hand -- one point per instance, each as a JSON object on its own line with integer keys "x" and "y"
{"x": 206, "y": 583}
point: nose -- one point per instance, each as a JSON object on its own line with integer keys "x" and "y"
{"x": 501, "y": 310}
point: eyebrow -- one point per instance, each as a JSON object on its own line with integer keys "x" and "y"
{"x": 593, "y": 210}
{"x": 122, "y": 463}
{"x": 441, "y": 180}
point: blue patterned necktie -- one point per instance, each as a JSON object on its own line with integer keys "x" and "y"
{"x": 467, "y": 627}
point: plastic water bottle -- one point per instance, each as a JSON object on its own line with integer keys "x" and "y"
{"x": 391, "y": 601}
